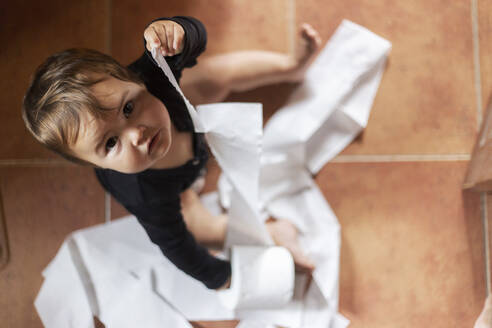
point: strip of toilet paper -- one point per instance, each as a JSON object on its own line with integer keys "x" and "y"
{"x": 241, "y": 139}
{"x": 329, "y": 109}
{"x": 256, "y": 281}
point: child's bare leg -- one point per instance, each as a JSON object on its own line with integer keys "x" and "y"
{"x": 215, "y": 77}
{"x": 207, "y": 229}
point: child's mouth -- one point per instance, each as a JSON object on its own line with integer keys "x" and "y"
{"x": 154, "y": 142}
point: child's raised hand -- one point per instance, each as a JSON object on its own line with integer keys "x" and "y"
{"x": 166, "y": 35}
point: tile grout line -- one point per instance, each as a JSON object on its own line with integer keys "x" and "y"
{"x": 478, "y": 95}
{"x": 484, "y": 215}
{"x": 35, "y": 162}
{"x": 338, "y": 159}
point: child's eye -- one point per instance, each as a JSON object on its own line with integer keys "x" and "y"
{"x": 128, "y": 109}
{"x": 111, "y": 143}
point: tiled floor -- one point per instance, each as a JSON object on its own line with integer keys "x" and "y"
{"x": 412, "y": 249}
{"x": 30, "y": 32}
{"x": 41, "y": 207}
{"x": 485, "y": 45}
{"x": 426, "y": 103}
{"x": 413, "y": 252}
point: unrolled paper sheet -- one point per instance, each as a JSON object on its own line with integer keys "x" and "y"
{"x": 113, "y": 271}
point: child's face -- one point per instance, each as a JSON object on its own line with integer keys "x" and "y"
{"x": 133, "y": 137}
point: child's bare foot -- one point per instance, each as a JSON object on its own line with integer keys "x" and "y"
{"x": 485, "y": 318}
{"x": 309, "y": 44}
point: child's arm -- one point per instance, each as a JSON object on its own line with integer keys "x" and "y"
{"x": 166, "y": 228}
{"x": 158, "y": 210}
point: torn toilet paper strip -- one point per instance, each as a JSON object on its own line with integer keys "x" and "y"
{"x": 115, "y": 273}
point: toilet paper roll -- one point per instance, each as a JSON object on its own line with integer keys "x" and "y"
{"x": 262, "y": 278}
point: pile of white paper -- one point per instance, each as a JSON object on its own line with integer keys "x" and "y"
{"x": 114, "y": 272}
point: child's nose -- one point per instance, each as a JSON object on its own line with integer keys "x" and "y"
{"x": 137, "y": 135}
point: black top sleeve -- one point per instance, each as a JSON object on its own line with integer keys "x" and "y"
{"x": 153, "y": 195}
{"x": 166, "y": 228}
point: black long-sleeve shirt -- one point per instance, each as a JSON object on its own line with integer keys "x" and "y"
{"x": 153, "y": 195}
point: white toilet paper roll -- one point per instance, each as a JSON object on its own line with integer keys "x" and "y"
{"x": 262, "y": 278}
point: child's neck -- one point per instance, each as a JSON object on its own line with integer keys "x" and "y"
{"x": 180, "y": 151}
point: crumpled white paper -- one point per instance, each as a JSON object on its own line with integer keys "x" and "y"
{"x": 114, "y": 272}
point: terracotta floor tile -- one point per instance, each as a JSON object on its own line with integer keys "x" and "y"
{"x": 412, "y": 248}
{"x": 485, "y": 37}
{"x": 117, "y": 210}
{"x": 426, "y": 101}
{"x": 42, "y": 206}
{"x": 231, "y": 25}
{"x": 31, "y": 31}
{"x": 215, "y": 324}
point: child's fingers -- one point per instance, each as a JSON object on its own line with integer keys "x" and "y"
{"x": 176, "y": 37}
{"x": 169, "y": 30}
{"x": 152, "y": 39}
{"x": 160, "y": 30}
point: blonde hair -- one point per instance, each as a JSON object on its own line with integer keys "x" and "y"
{"x": 60, "y": 90}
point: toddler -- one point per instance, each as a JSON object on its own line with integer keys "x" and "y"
{"x": 133, "y": 126}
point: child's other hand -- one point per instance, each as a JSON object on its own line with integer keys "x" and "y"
{"x": 166, "y": 35}
{"x": 284, "y": 234}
